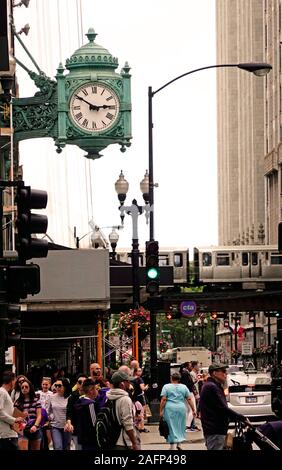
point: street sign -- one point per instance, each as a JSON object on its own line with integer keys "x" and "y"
{"x": 188, "y": 308}
{"x": 247, "y": 348}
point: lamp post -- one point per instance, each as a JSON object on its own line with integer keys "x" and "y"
{"x": 202, "y": 323}
{"x": 259, "y": 69}
{"x": 193, "y": 326}
{"x": 134, "y": 211}
{"x": 113, "y": 237}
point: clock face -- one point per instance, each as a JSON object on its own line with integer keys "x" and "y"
{"x": 94, "y": 107}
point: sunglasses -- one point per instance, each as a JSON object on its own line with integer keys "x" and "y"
{"x": 24, "y": 386}
{"x": 80, "y": 382}
{"x": 58, "y": 385}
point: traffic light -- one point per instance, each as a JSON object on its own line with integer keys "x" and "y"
{"x": 173, "y": 314}
{"x": 152, "y": 267}
{"x": 28, "y": 223}
{"x": 226, "y": 323}
{"x": 169, "y": 315}
{"x": 21, "y": 281}
{"x": 13, "y": 327}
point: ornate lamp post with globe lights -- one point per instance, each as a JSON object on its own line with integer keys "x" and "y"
{"x": 134, "y": 211}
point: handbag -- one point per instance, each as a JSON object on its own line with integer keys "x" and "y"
{"x": 163, "y": 428}
{"x": 147, "y": 410}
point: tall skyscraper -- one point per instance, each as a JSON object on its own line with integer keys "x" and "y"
{"x": 273, "y": 114}
{"x": 241, "y": 113}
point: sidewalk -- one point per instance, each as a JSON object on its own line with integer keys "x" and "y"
{"x": 153, "y": 440}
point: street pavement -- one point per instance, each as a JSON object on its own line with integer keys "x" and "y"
{"x": 153, "y": 441}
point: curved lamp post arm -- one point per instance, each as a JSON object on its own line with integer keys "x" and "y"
{"x": 259, "y": 69}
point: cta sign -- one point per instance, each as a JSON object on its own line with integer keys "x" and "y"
{"x": 188, "y": 308}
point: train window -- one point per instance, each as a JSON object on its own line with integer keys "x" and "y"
{"x": 178, "y": 260}
{"x": 207, "y": 259}
{"x": 222, "y": 259}
{"x": 254, "y": 259}
{"x": 275, "y": 258}
{"x": 163, "y": 260}
{"x": 245, "y": 259}
{"x": 232, "y": 256}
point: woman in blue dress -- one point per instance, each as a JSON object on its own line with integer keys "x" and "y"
{"x": 173, "y": 409}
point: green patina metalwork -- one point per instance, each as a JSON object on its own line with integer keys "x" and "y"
{"x": 46, "y": 114}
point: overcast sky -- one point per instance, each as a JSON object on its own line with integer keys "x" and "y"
{"x": 161, "y": 40}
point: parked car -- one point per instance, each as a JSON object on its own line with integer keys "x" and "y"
{"x": 250, "y": 394}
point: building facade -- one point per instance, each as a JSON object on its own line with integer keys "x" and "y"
{"x": 241, "y": 112}
{"x": 272, "y": 134}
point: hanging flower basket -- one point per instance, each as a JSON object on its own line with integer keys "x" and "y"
{"x": 127, "y": 319}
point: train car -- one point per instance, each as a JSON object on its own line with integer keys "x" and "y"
{"x": 176, "y": 257}
{"x": 242, "y": 267}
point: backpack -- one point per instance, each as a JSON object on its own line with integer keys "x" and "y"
{"x": 107, "y": 427}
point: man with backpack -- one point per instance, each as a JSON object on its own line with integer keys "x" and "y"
{"x": 128, "y": 436}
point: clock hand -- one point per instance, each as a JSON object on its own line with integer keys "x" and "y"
{"x": 91, "y": 106}
{"x": 104, "y": 106}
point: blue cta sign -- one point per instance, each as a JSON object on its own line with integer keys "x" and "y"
{"x": 188, "y": 308}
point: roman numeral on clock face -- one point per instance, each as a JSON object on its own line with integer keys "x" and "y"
{"x": 78, "y": 116}
{"x": 109, "y": 116}
{"x": 84, "y": 91}
{"x": 85, "y": 123}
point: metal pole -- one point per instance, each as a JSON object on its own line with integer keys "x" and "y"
{"x": 135, "y": 273}
{"x": 3, "y": 305}
{"x": 214, "y": 335}
{"x": 255, "y": 338}
{"x": 236, "y": 338}
{"x": 151, "y": 169}
{"x": 268, "y": 331}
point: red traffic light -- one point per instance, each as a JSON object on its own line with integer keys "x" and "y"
{"x": 169, "y": 316}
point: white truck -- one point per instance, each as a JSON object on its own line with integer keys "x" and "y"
{"x": 184, "y": 354}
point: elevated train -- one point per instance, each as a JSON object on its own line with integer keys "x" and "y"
{"x": 238, "y": 267}
{"x": 221, "y": 267}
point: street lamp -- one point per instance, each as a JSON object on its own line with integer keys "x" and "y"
{"x": 113, "y": 237}
{"x": 202, "y": 323}
{"x": 134, "y": 210}
{"x": 259, "y": 69}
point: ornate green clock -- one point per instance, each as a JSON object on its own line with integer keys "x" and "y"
{"x": 94, "y": 107}
{"x": 89, "y": 107}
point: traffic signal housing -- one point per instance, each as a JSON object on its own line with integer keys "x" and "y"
{"x": 28, "y": 223}
{"x": 152, "y": 267}
{"x": 173, "y": 313}
{"x": 22, "y": 281}
{"x": 13, "y": 326}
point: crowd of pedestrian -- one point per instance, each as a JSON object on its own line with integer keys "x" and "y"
{"x": 61, "y": 415}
